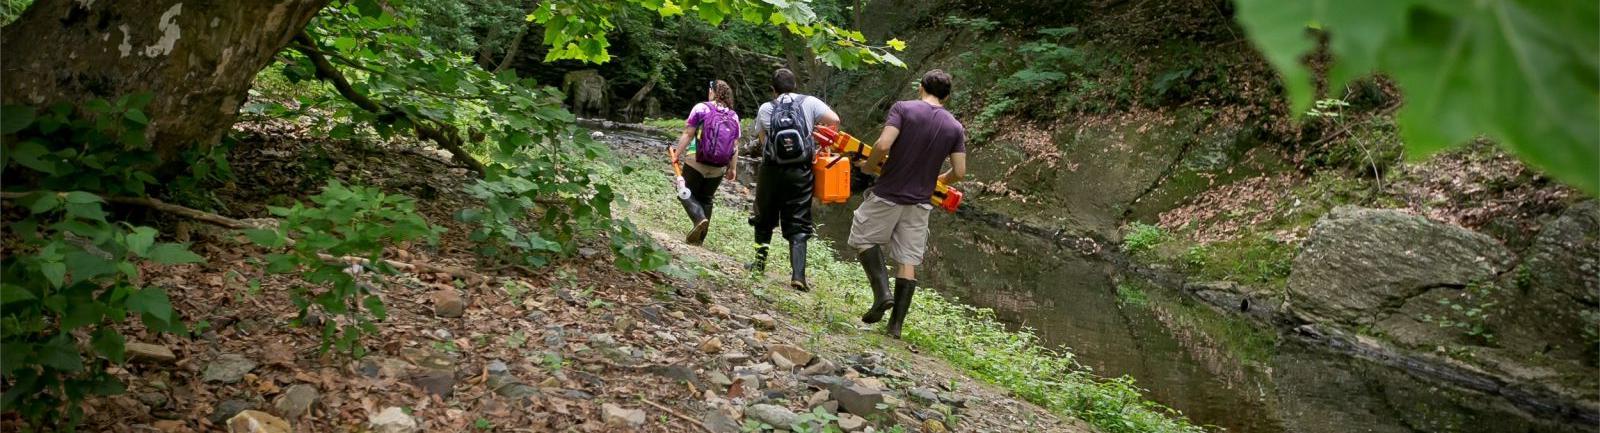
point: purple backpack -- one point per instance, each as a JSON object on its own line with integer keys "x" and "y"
{"x": 719, "y": 136}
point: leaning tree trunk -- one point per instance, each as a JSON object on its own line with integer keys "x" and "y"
{"x": 197, "y": 58}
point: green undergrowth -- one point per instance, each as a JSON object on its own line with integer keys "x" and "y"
{"x": 969, "y": 338}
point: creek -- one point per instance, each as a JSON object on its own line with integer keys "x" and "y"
{"x": 1166, "y": 344}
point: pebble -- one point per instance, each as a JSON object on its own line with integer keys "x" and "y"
{"x": 776, "y": 416}
{"x": 712, "y": 345}
{"x": 821, "y": 366}
{"x": 857, "y": 399}
{"x": 498, "y": 367}
{"x": 719, "y": 422}
{"x": 617, "y": 415}
{"x": 228, "y": 368}
{"x": 926, "y": 395}
{"x": 603, "y": 340}
{"x": 148, "y": 352}
{"x": 448, "y": 303}
{"x": 721, "y": 311}
{"x": 719, "y": 379}
{"x": 794, "y": 354}
{"x": 392, "y": 420}
{"x": 764, "y": 321}
{"x": 296, "y": 401}
{"x": 228, "y": 408}
{"x": 251, "y": 421}
{"x": 849, "y": 422}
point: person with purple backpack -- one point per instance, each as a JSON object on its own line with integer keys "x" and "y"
{"x": 714, "y": 127}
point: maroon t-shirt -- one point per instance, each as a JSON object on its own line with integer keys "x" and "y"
{"x": 928, "y": 134}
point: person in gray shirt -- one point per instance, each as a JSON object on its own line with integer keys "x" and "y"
{"x": 784, "y": 179}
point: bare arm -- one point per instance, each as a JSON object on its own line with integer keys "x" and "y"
{"x": 880, "y": 150}
{"x": 683, "y": 139}
{"x": 958, "y": 169}
{"x": 733, "y": 168}
{"x": 829, "y": 119}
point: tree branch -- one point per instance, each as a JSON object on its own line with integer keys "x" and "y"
{"x": 442, "y": 134}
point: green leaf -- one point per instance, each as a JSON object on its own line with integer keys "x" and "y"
{"x": 375, "y": 305}
{"x": 136, "y": 116}
{"x": 81, "y": 197}
{"x": 41, "y": 202}
{"x": 265, "y": 237}
{"x": 80, "y": 313}
{"x": 11, "y": 293}
{"x": 173, "y": 254}
{"x": 110, "y": 344}
{"x": 31, "y": 154}
{"x": 88, "y": 211}
{"x": 152, "y": 301}
{"x": 14, "y": 118}
{"x": 1520, "y": 71}
{"x": 140, "y": 240}
{"x": 897, "y": 45}
{"x": 60, "y": 354}
{"x": 55, "y": 272}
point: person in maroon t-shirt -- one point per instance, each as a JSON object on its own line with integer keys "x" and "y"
{"x": 921, "y": 135}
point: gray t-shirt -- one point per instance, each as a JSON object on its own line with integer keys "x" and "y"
{"x": 811, "y": 110}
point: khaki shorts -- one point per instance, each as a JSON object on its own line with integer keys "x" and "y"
{"x": 903, "y": 227}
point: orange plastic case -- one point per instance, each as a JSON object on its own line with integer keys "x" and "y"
{"x": 833, "y": 178}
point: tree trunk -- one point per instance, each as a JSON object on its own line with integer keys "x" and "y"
{"x": 197, "y": 58}
{"x": 511, "y": 53}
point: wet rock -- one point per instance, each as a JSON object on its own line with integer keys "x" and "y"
{"x": 448, "y": 303}
{"x": 925, "y": 395}
{"x": 437, "y": 382}
{"x": 719, "y": 422}
{"x": 618, "y": 416}
{"x": 296, "y": 401}
{"x": 857, "y": 399}
{"x": 776, "y": 416}
{"x": 148, "y": 352}
{"x": 712, "y": 345}
{"x": 257, "y": 422}
{"x": 764, "y": 321}
{"x": 850, "y": 423}
{"x": 228, "y": 408}
{"x": 1357, "y": 263}
{"x": 392, "y": 420}
{"x": 797, "y": 355}
{"x": 228, "y": 368}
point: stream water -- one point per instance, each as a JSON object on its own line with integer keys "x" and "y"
{"x": 1070, "y": 300}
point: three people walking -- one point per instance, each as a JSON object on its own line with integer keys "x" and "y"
{"x": 919, "y": 135}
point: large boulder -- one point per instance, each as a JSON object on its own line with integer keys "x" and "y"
{"x": 1360, "y": 265}
{"x": 1553, "y": 292}
{"x": 587, "y": 92}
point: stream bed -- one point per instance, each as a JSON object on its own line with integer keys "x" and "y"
{"x": 1070, "y": 300}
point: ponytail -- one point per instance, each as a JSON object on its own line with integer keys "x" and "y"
{"x": 722, "y": 93}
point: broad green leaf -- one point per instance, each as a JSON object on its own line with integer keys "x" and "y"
{"x": 897, "y": 45}
{"x": 264, "y": 237}
{"x": 152, "y": 301}
{"x": 32, "y": 154}
{"x": 137, "y": 116}
{"x": 15, "y": 118}
{"x": 41, "y": 202}
{"x": 88, "y": 211}
{"x": 109, "y": 343}
{"x": 60, "y": 354}
{"x": 11, "y": 293}
{"x": 54, "y": 272}
{"x": 81, "y": 197}
{"x": 173, "y": 254}
{"x": 1519, "y": 71}
{"x": 140, "y": 240}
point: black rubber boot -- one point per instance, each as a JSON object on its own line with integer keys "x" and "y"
{"x": 701, "y": 221}
{"x": 903, "y": 289}
{"x": 797, "y": 263}
{"x": 760, "y": 264}
{"x": 878, "y": 277}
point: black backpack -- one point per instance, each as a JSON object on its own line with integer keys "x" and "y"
{"x": 787, "y": 141}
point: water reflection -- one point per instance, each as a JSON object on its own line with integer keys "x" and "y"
{"x": 1070, "y": 301}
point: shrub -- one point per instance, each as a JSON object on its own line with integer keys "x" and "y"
{"x": 1143, "y": 237}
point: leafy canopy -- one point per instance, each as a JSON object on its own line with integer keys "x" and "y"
{"x": 1521, "y": 71}
{"x": 576, "y": 29}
